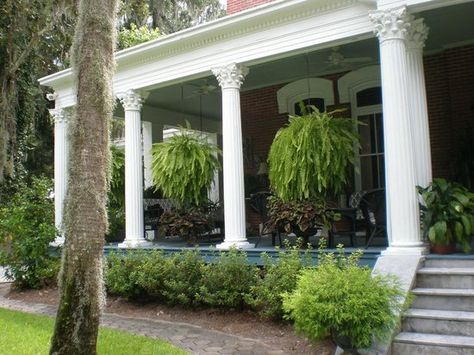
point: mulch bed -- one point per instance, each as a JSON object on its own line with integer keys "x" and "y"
{"x": 245, "y": 324}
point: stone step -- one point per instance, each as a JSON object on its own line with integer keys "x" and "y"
{"x": 451, "y": 262}
{"x": 451, "y": 299}
{"x": 439, "y": 322}
{"x": 445, "y": 277}
{"x": 432, "y": 344}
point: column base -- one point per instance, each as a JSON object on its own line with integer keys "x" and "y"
{"x": 237, "y": 245}
{"x": 401, "y": 250}
{"x": 135, "y": 243}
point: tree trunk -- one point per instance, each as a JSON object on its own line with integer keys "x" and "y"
{"x": 85, "y": 218}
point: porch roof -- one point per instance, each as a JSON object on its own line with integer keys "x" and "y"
{"x": 266, "y": 31}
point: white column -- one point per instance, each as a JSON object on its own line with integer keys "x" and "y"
{"x": 230, "y": 79}
{"x": 147, "y": 133}
{"x": 416, "y": 37}
{"x": 60, "y": 170}
{"x": 402, "y": 201}
{"x": 134, "y": 226}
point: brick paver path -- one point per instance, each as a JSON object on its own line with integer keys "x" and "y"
{"x": 193, "y": 338}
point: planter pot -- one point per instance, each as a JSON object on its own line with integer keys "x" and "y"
{"x": 443, "y": 248}
{"x": 345, "y": 343}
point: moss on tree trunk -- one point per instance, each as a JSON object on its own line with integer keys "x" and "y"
{"x": 85, "y": 217}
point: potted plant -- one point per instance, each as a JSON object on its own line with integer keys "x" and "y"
{"x": 183, "y": 169}
{"x": 308, "y": 162}
{"x": 346, "y": 301}
{"x": 447, "y": 216}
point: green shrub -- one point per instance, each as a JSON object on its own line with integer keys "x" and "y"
{"x": 276, "y": 279}
{"x": 345, "y": 300}
{"x": 154, "y": 269}
{"x": 227, "y": 282}
{"x": 26, "y": 229}
{"x": 183, "y": 277}
{"x": 123, "y": 273}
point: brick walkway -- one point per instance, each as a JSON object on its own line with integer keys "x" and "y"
{"x": 193, "y": 338}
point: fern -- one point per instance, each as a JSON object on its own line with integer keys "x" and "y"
{"x": 184, "y": 166}
{"x": 309, "y": 157}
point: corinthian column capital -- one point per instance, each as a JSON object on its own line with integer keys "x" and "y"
{"x": 131, "y": 100}
{"x": 417, "y": 34}
{"x": 231, "y": 75}
{"x": 390, "y": 24}
{"x": 58, "y": 114}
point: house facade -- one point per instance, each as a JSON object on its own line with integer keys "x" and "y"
{"x": 403, "y": 67}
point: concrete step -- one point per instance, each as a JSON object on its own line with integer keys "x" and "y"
{"x": 439, "y": 322}
{"x": 432, "y": 344}
{"x": 445, "y": 277}
{"x": 450, "y": 299}
{"x": 451, "y": 262}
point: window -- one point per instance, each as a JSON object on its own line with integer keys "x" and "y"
{"x": 371, "y": 165}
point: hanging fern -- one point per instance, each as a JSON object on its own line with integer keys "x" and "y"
{"x": 309, "y": 157}
{"x": 184, "y": 166}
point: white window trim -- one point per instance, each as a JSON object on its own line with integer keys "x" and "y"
{"x": 349, "y": 85}
{"x": 303, "y": 89}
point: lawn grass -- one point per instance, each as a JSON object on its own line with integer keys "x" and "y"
{"x": 28, "y": 334}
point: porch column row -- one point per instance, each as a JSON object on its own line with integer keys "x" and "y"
{"x": 404, "y": 108}
{"x": 230, "y": 78}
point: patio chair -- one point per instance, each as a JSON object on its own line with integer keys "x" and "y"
{"x": 374, "y": 211}
{"x": 258, "y": 203}
{"x": 151, "y": 215}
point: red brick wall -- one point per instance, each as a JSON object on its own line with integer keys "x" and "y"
{"x": 450, "y": 92}
{"x": 234, "y": 6}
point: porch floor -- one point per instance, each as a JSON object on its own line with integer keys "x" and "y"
{"x": 208, "y": 251}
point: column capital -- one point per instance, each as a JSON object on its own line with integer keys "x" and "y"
{"x": 231, "y": 75}
{"x": 390, "y": 24}
{"x": 417, "y": 34}
{"x": 132, "y": 100}
{"x": 58, "y": 114}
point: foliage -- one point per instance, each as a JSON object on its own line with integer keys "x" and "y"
{"x": 169, "y": 15}
{"x": 136, "y": 35}
{"x": 26, "y": 229}
{"x": 123, "y": 272}
{"x": 18, "y": 326}
{"x": 227, "y": 282}
{"x": 184, "y": 278}
{"x": 186, "y": 223}
{"x": 34, "y": 38}
{"x": 309, "y": 157}
{"x": 448, "y": 213}
{"x": 184, "y": 166}
{"x": 116, "y": 195}
{"x": 276, "y": 279}
{"x": 345, "y": 300}
{"x": 300, "y": 217}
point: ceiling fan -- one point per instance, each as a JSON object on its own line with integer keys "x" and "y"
{"x": 206, "y": 88}
{"x": 337, "y": 59}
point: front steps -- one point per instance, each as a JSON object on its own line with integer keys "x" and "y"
{"x": 441, "y": 318}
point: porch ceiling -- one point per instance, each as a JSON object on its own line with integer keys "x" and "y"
{"x": 449, "y": 26}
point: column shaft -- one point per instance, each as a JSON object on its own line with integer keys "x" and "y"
{"x": 418, "y": 104}
{"x": 60, "y": 170}
{"x": 230, "y": 79}
{"x": 134, "y": 224}
{"x": 402, "y": 201}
